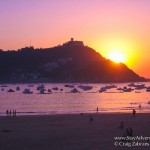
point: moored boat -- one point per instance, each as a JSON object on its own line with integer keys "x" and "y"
{"x": 27, "y": 91}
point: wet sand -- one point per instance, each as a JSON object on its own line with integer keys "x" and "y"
{"x": 70, "y": 132}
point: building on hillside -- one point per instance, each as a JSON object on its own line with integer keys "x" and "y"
{"x": 73, "y": 43}
{"x": 25, "y": 49}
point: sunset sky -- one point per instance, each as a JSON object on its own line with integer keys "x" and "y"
{"x": 108, "y": 26}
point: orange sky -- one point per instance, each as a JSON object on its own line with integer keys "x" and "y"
{"x": 105, "y": 25}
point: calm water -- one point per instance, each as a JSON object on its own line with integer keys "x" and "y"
{"x": 63, "y": 102}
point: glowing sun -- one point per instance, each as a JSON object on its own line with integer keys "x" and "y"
{"x": 117, "y": 57}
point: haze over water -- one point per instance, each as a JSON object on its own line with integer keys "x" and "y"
{"x": 65, "y": 102}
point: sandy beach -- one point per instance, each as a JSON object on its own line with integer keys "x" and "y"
{"x": 71, "y": 132}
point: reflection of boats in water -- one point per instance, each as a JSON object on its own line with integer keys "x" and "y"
{"x": 27, "y": 91}
{"x": 110, "y": 92}
{"x": 120, "y": 89}
{"x": 137, "y": 91}
{"x": 133, "y": 103}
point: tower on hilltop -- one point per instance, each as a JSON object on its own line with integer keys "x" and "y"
{"x": 72, "y": 42}
{"x": 72, "y": 39}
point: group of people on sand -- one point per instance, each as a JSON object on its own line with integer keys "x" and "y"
{"x": 134, "y": 112}
{"x": 11, "y": 112}
{"x": 129, "y": 132}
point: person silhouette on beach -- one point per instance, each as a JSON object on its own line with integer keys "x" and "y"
{"x": 7, "y": 112}
{"x": 134, "y": 112}
{"x": 13, "y": 112}
{"x": 97, "y": 109}
{"x": 140, "y": 106}
{"x": 130, "y": 131}
{"x": 90, "y": 119}
{"x": 10, "y": 112}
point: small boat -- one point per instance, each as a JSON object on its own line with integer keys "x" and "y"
{"x": 140, "y": 86}
{"x": 69, "y": 86}
{"x": 27, "y": 91}
{"x": 74, "y": 91}
{"x": 61, "y": 89}
{"x": 49, "y": 90}
{"x": 110, "y": 86}
{"x": 85, "y": 88}
{"x": 126, "y": 89}
{"x": 42, "y": 91}
{"x": 40, "y": 87}
{"x": 148, "y": 102}
{"x": 132, "y": 84}
{"x": 55, "y": 88}
{"x": 11, "y": 90}
{"x": 148, "y": 89}
{"x": 120, "y": 89}
{"x": 102, "y": 89}
{"x": 17, "y": 88}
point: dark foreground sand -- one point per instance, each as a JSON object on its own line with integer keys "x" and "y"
{"x": 70, "y": 132}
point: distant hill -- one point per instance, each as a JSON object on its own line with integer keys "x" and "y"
{"x": 70, "y": 62}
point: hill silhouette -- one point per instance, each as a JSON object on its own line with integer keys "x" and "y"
{"x": 70, "y": 62}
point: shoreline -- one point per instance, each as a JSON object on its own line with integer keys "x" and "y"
{"x": 26, "y": 114}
